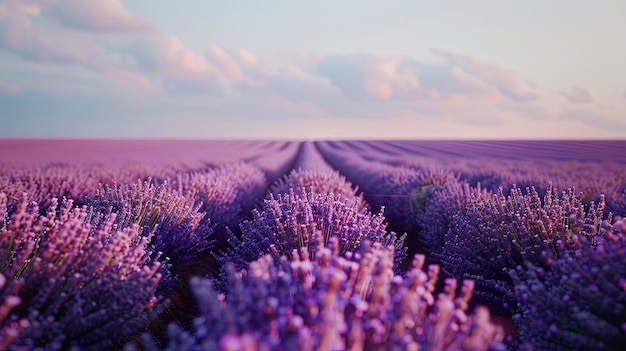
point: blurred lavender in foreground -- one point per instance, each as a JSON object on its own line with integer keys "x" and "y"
{"x": 65, "y": 286}
{"x": 289, "y": 222}
{"x": 577, "y": 299}
{"x": 335, "y": 302}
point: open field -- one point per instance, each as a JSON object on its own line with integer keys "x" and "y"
{"x": 353, "y": 244}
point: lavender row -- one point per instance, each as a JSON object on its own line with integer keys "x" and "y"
{"x": 153, "y": 219}
{"x": 66, "y": 180}
{"x": 312, "y": 173}
{"x": 593, "y": 167}
{"x": 385, "y": 186}
{"x": 290, "y": 222}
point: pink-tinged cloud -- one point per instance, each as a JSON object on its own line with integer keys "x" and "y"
{"x": 19, "y": 35}
{"x": 22, "y": 7}
{"x": 168, "y": 58}
{"x": 148, "y": 61}
{"x": 224, "y": 62}
{"x": 122, "y": 77}
{"x": 492, "y": 75}
{"x": 162, "y": 57}
{"x": 101, "y": 16}
{"x": 10, "y": 88}
{"x": 577, "y": 96}
{"x": 178, "y": 60}
{"x": 363, "y": 77}
{"x": 245, "y": 57}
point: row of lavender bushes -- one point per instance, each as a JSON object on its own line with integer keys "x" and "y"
{"x": 553, "y": 260}
{"x": 312, "y": 215}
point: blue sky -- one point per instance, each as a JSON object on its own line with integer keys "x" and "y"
{"x": 312, "y": 69}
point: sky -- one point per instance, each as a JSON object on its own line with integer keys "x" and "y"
{"x": 350, "y": 69}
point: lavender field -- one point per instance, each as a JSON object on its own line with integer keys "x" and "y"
{"x": 312, "y": 245}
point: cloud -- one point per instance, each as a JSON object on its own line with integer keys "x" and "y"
{"x": 10, "y": 88}
{"x": 102, "y": 16}
{"x": 577, "y": 96}
{"x": 177, "y": 87}
{"x": 19, "y": 35}
{"x": 362, "y": 77}
{"x": 61, "y": 33}
{"x": 99, "y": 49}
{"x": 224, "y": 62}
{"x": 487, "y": 75}
{"x": 604, "y": 118}
{"x": 162, "y": 55}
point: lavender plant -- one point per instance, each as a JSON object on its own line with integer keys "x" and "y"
{"x": 400, "y": 190}
{"x": 170, "y": 220}
{"x": 320, "y": 181}
{"x": 576, "y": 300}
{"x": 226, "y": 194}
{"x": 74, "y": 181}
{"x": 65, "y": 286}
{"x": 290, "y": 221}
{"x": 336, "y": 302}
{"x": 434, "y": 207}
{"x": 501, "y": 232}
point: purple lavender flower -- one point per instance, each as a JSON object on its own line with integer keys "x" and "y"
{"x": 74, "y": 181}
{"x": 226, "y": 193}
{"x": 322, "y": 300}
{"x": 172, "y": 222}
{"x": 577, "y": 299}
{"x": 64, "y": 285}
{"x": 402, "y": 191}
{"x": 506, "y": 231}
{"x": 290, "y": 221}
{"x": 435, "y": 206}
{"x": 320, "y": 181}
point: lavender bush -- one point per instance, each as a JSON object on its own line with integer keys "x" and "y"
{"x": 335, "y": 302}
{"x": 575, "y": 300}
{"x": 74, "y": 181}
{"x": 434, "y": 207}
{"x": 501, "y": 232}
{"x": 317, "y": 181}
{"x": 398, "y": 189}
{"x": 226, "y": 194}
{"x": 65, "y": 286}
{"x": 172, "y": 222}
{"x": 290, "y": 221}
{"x": 591, "y": 178}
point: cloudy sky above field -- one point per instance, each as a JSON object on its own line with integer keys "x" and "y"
{"x": 312, "y": 69}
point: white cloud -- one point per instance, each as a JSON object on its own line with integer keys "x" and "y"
{"x": 577, "y": 95}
